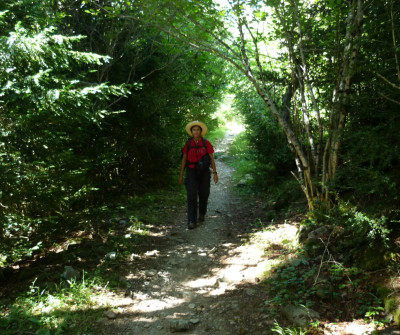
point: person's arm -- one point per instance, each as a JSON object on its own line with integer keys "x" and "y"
{"x": 215, "y": 174}
{"x": 183, "y": 165}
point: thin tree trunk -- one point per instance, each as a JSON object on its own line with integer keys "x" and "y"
{"x": 304, "y": 68}
{"x": 342, "y": 93}
{"x": 394, "y": 40}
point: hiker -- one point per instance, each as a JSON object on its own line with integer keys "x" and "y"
{"x": 197, "y": 162}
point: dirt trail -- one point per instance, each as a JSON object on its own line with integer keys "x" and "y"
{"x": 206, "y": 280}
{"x": 200, "y": 281}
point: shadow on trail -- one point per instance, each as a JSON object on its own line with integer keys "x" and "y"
{"x": 187, "y": 282}
{"x": 85, "y": 252}
{"x": 207, "y": 277}
{"x": 204, "y": 277}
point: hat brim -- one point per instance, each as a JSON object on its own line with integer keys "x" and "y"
{"x": 202, "y": 125}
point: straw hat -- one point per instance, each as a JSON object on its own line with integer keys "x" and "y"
{"x": 202, "y": 125}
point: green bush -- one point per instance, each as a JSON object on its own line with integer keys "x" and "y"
{"x": 352, "y": 234}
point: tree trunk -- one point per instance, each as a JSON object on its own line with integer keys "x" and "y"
{"x": 341, "y": 96}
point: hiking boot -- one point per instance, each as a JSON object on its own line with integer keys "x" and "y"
{"x": 191, "y": 225}
{"x": 201, "y": 218}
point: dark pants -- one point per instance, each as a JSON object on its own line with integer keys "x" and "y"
{"x": 197, "y": 185}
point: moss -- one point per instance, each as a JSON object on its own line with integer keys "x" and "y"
{"x": 396, "y": 316}
{"x": 390, "y": 304}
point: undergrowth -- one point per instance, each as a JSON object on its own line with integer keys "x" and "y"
{"x": 335, "y": 265}
{"x": 288, "y": 331}
{"x": 42, "y": 304}
{"x": 336, "y": 258}
{"x": 64, "y": 309}
{"x": 281, "y": 193}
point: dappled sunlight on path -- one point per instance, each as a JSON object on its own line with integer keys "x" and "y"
{"x": 201, "y": 282}
{"x": 209, "y": 280}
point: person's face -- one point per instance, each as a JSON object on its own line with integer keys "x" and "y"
{"x": 196, "y": 131}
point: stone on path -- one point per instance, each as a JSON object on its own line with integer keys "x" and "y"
{"x": 111, "y": 255}
{"x": 300, "y": 316}
{"x": 110, "y": 314}
{"x": 70, "y": 273}
{"x": 151, "y": 273}
{"x": 179, "y": 325}
{"x": 250, "y": 291}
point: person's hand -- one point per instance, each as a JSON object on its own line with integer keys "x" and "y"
{"x": 215, "y": 178}
{"x": 181, "y": 180}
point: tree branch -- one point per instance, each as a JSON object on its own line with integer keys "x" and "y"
{"x": 388, "y": 81}
{"x": 205, "y": 30}
{"x": 387, "y": 98}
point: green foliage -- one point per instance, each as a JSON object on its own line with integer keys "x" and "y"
{"x": 47, "y": 112}
{"x": 263, "y": 153}
{"x": 84, "y": 122}
{"x": 281, "y": 190}
{"x": 172, "y": 85}
{"x": 372, "y": 310}
{"x": 61, "y": 310}
{"x": 69, "y": 69}
{"x": 288, "y": 331}
{"x": 216, "y": 134}
{"x": 374, "y": 229}
{"x": 357, "y": 228}
{"x": 369, "y": 175}
{"x": 307, "y": 282}
{"x": 296, "y": 56}
{"x": 241, "y": 158}
{"x": 265, "y": 137}
{"x": 351, "y": 236}
{"x": 290, "y": 284}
